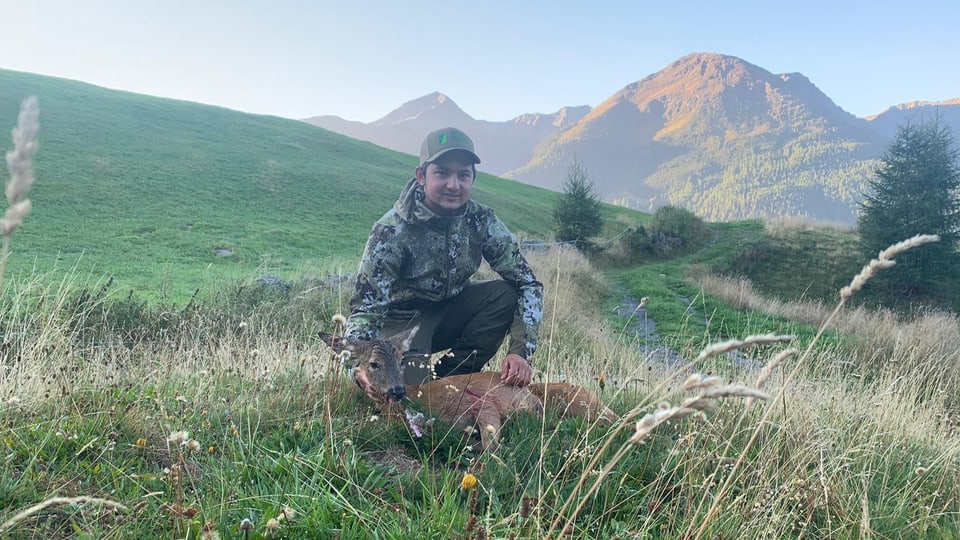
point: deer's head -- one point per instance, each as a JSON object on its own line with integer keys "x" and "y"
{"x": 378, "y": 366}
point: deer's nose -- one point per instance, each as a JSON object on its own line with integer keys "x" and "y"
{"x": 397, "y": 393}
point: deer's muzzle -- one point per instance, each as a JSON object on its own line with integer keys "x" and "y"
{"x": 396, "y": 394}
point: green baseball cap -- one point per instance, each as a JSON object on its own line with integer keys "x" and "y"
{"x": 445, "y": 140}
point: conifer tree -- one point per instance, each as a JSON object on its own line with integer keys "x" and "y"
{"x": 915, "y": 191}
{"x": 577, "y": 214}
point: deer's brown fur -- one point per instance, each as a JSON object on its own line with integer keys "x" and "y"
{"x": 476, "y": 400}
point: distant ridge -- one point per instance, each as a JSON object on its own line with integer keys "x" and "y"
{"x": 710, "y": 132}
{"x": 887, "y": 121}
{"x": 502, "y": 146}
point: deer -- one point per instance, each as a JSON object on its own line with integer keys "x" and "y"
{"x": 473, "y": 400}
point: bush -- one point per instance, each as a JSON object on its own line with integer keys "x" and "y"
{"x": 673, "y": 229}
{"x": 634, "y": 246}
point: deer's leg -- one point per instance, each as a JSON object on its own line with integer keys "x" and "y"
{"x": 488, "y": 421}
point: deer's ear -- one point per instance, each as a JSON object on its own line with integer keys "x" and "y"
{"x": 403, "y": 340}
{"x": 336, "y": 343}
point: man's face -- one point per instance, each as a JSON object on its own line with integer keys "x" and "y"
{"x": 447, "y": 183}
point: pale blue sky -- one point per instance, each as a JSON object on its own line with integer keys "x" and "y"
{"x": 496, "y": 59}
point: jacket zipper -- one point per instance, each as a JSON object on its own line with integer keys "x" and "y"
{"x": 446, "y": 259}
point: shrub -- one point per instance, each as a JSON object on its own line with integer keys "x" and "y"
{"x": 633, "y": 247}
{"x": 674, "y": 229}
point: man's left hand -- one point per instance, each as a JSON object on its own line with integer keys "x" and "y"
{"x": 516, "y": 371}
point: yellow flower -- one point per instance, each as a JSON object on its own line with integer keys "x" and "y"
{"x": 141, "y": 443}
{"x": 602, "y": 382}
{"x": 469, "y": 481}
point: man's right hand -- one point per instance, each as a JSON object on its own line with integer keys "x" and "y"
{"x": 516, "y": 371}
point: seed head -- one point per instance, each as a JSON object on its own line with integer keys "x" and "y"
{"x": 178, "y": 437}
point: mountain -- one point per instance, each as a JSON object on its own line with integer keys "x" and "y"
{"x": 887, "y": 121}
{"x": 502, "y": 146}
{"x": 722, "y": 137}
{"x": 710, "y": 132}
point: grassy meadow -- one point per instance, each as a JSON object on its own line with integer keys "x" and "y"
{"x": 134, "y": 408}
{"x": 167, "y": 197}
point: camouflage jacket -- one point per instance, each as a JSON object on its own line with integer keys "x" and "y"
{"x": 414, "y": 255}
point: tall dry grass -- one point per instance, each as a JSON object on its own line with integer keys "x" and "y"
{"x": 923, "y": 350}
{"x": 826, "y": 429}
{"x": 827, "y": 457}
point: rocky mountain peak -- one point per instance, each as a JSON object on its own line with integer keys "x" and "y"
{"x": 434, "y": 104}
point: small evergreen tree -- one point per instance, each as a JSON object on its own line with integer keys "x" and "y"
{"x": 577, "y": 214}
{"x": 914, "y": 191}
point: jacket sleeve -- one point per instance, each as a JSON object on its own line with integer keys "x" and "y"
{"x": 502, "y": 252}
{"x": 379, "y": 268}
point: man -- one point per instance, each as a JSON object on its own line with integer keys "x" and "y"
{"x": 417, "y": 266}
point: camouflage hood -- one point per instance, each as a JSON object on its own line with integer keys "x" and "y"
{"x": 410, "y": 206}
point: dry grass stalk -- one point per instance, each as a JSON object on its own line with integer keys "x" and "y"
{"x": 717, "y": 349}
{"x": 767, "y": 370}
{"x": 53, "y": 501}
{"x": 19, "y": 161}
{"x": 697, "y": 381}
{"x": 692, "y": 405}
{"x": 773, "y": 364}
{"x": 884, "y": 260}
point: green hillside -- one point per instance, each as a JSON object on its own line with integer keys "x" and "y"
{"x": 150, "y": 191}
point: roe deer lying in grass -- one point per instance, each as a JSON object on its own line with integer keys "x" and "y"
{"x": 470, "y": 400}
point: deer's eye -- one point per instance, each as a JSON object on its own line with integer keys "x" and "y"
{"x": 374, "y": 366}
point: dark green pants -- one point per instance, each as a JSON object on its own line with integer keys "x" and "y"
{"x": 472, "y": 325}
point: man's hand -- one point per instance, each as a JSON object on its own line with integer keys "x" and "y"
{"x": 516, "y": 371}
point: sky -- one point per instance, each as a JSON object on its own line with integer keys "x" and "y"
{"x": 496, "y": 59}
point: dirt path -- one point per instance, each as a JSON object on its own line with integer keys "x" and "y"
{"x": 643, "y": 329}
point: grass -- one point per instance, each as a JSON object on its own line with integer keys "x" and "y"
{"x": 792, "y": 261}
{"x": 276, "y": 427}
{"x": 222, "y": 414}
